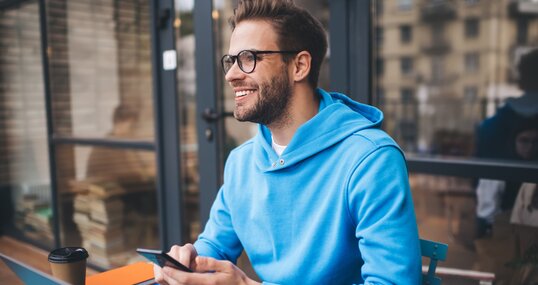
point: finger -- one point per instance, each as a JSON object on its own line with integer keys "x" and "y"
{"x": 187, "y": 254}
{"x": 205, "y": 264}
{"x": 175, "y": 252}
{"x": 170, "y": 276}
{"x": 157, "y": 272}
{"x": 176, "y": 277}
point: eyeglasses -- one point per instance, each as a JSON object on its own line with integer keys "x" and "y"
{"x": 246, "y": 59}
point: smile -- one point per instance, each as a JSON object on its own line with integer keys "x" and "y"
{"x": 243, "y": 93}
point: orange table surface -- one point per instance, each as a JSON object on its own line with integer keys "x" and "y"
{"x": 126, "y": 275}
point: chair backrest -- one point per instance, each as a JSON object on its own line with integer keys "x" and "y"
{"x": 435, "y": 251}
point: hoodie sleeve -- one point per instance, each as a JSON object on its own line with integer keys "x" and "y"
{"x": 382, "y": 210}
{"x": 219, "y": 240}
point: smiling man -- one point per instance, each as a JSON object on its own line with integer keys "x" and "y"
{"x": 320, "y": 195}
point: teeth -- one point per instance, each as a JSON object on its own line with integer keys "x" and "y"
{"x": 243, "y": 93}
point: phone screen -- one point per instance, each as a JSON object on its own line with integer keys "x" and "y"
{"x": 162, "y": 259}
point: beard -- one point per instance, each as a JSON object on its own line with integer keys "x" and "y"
{"x": 272, "y": 104}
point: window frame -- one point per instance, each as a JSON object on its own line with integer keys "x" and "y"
{"x": 472, "y": 28}
{"x": 406, "y": 65}
{"x": 406, "y": 34}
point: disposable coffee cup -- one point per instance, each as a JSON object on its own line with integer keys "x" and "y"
{"x": 69, "y": 264}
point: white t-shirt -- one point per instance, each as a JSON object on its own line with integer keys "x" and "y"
{"x": 279, "y": 149}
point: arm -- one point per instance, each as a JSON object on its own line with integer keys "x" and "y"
{"x": 215, "y": 251}
{"x": 219, "y": 240}
{"x": 381, "y": 207}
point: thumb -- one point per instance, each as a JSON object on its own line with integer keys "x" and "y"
{"x": 208, "y": 264}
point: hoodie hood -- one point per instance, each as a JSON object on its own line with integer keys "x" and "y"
{"x": 338, "y": 118}
{"x": 526, "y": 105}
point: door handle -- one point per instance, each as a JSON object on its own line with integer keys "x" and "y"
{"x": 210, "y": 115}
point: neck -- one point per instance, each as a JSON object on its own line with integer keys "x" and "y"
{"x": 303, "y": 105}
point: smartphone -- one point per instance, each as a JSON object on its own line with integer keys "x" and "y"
{"x": 162, "y": 259}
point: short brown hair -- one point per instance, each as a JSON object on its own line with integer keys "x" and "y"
{"x": 296, "y": 28}
{"x": 528, "y": 68}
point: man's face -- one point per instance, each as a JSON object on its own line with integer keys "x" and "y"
{"x": 527, "y": 144}
{"x": 263, "y": 95}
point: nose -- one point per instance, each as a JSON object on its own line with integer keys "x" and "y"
{"x": 235, "y": 73}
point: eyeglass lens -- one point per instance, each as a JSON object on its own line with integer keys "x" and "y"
{"x": 245, "y": 59}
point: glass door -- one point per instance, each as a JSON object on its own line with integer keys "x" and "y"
{"x": 25, "y": 192}
{"x": 99, "y": 86}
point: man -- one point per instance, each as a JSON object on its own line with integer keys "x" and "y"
{"x": 495, "y": 140}
{"x": 320, "y": 195}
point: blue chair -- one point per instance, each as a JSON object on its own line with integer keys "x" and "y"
{"x": 435, "y": 251}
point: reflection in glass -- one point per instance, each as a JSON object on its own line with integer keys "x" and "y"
{"x": 472, "y": 92}
{"x": 100, "y": 55}
{"x": 109, "y": 205}
{"x": 25, "y": 194}
{"x": 186, "y": 75}
{"x": 459, "y": 63}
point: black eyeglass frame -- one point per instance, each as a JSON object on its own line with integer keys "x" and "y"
{"x": 253, "y": 52}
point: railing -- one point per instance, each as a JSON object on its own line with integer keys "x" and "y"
{"x": 437, "y": 47}
{"x": 438, "y": 10}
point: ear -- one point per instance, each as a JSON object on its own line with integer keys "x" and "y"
{"x": 301, "y": 66}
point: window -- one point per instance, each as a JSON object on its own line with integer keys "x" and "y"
{"x": 406, "y": 34}
{"x": 406, "y": 65}
{"x": 437, "y": 68}
{"x": 471, "y": 62}
{"x": 406, "y": 96}
{"x": 379, "y": 66}
{"x": 435, "y": 120}
{"x": 470, "y": 94}
{"x": 472, "y": 28}
{"x": 405, "y": 5}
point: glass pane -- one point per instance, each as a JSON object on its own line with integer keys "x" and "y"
{"x": 238, "y": 132}
{"x": 186, "y": 75}
{"x": 108, "y": 203}
{"x": 24, "y": 165}
{"x": 451, "y": 76}
{"x": 470, "y": 91}
{"x": 446, "y": 212}
{"x": 100, "y": 58}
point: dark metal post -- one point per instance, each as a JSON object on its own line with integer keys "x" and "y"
{"x": 166, "y": 125}
{"x": 50, "y": 123}
{"x": 339, "y": 46}
{"x": 350, "y": 62}
{"x": 360, "y": 21}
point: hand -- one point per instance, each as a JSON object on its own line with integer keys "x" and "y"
{"x": 216, "y": 272}
{"x": 184, "y": 254}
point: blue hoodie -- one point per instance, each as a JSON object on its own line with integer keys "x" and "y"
{"x": 334, "y": 208}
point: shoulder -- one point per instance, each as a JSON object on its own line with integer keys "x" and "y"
{"x": 373, "y": 139}
{"x": 240, "y": 153}
{"x": 369, "y": 147}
